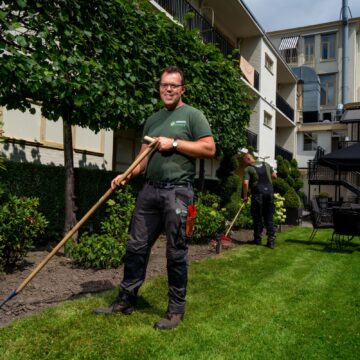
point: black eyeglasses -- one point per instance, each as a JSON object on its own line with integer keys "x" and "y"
{"x": 171, "y": 86}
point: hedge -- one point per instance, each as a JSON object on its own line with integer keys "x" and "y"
{"x": 47, "y": 183}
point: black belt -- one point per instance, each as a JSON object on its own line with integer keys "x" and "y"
{"x": 168, "y": 185}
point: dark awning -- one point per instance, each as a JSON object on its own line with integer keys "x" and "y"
{"x": 350, "y": 116}
{"x": 347, "y": 159}
{"x": 288, "y": 42}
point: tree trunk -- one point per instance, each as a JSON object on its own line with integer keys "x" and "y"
{"x": 70, "y": 206}
{"x": 202, "y": 175}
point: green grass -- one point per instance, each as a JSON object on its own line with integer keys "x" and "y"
{"x": 299, "y": 301}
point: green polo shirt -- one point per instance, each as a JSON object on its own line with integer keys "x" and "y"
{"x": 184, "y": 123}
{"x": 251, "y": 174}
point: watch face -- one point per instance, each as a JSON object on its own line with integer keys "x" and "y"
{"x": 174, "y": 144}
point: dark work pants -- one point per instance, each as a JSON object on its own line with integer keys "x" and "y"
{"x": 157, "y": 209}
{"x": 262, "y": 212}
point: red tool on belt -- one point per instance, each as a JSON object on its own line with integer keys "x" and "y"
{"x": 190, "y": 220}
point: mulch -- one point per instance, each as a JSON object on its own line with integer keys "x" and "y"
{"x": 61, "y": 279}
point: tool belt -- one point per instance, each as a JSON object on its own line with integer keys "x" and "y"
{"x": 168, "y": 185}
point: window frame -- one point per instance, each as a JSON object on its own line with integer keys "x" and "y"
{"x": 313, "y": 136}
{"x": 269, "y": 63}
{"x": 328, "y": 46}
{"x": 309, "y": 46}
{"x": 327, "y": 103}
{"x": 268, "y": 119}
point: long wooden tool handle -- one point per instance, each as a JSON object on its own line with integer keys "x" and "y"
{"x": 87, "y": 215}
{"x": 236, "y": 216}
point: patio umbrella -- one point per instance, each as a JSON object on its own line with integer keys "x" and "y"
{"x": 347, "y": 159}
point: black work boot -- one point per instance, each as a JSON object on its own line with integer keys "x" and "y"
{"x": 117, "y": 306}
{"x": 271, "y": 243}
{"x": 170, "y": 321}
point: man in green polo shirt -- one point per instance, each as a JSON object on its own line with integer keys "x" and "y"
{"x": 183, "y": 134}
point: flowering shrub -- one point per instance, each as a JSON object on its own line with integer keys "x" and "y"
{"x": 280, "y": 212}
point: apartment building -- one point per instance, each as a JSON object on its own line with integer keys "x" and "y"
{"x": 315, "y": 53}
{"x": 326, "y": 59}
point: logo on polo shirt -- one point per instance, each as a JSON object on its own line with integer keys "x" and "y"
{"x": 178, "y": 123}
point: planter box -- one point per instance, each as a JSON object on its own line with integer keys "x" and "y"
{"x": 293, "y": 216}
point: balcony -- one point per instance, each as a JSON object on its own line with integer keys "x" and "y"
{"x": 249, "y": 72}
{"x": 284, "y": 107}
{"x": 179, "y": 9}
{"x": 287, "y": 155}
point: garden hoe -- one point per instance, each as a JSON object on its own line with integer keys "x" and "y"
{"x": 224, "y": 237}
{"x": 137, "y": 161}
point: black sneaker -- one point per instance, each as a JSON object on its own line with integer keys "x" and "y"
{"x": 170, "y": 321}
{"x": 116, "y": 307}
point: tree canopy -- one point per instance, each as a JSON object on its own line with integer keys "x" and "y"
{"x": 95, "y": 63}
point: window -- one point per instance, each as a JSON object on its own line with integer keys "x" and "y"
{"x": 290, "y": 55}
{"x": 267, "y": 119}
{"x": 328, "y": 43}
{"x": 328, "y": 86}
{"x": 309, "y": 45}
{"x": 269, "y": 64}
{"x": 327, "y": 116}
{"x": 310, "y": 141}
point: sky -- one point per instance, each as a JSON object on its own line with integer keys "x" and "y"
{"x": 283, "y": 14}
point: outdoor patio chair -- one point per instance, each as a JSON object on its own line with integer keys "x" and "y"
{"x": 320, "y": 219}
{"x": 346, "y": 225}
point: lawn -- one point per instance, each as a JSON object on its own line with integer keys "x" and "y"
{"x": 299, "y": 301}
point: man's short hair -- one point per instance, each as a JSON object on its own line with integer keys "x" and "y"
{"x": 173, "y": 69}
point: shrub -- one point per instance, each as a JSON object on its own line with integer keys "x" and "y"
{"x": 119, "y": 212}
{"x": 20, "y": 225}
{"x": 209, "y": 221}
{"x": 292, "y": 199}
{"x": 244, "y": 219}
{"x": 107, "y": 249}
{"x": 208, "y": 199}
{"x": 280, "y": 186}
{"x": 96, "y": 251}
{"x": 230, "y": 186}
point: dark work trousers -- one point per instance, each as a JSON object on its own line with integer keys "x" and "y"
{"x": 262, "y": 205}
{"x": 159, "y": 208}
{"x": 262, "y": 212}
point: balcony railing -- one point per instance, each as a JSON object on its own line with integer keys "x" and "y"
{"x": 282, "y": 105}
{"x": 179, "y": 9}
{"x": 287, "y": 155}
{"x": 344, "y": 144}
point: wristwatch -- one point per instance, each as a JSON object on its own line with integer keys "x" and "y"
{"x": 174, "y": 144}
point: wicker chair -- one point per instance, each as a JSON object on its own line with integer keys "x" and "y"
{"x": 320, "y": 219}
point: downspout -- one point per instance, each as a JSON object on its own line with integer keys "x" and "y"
{"x": 345, "y": 50}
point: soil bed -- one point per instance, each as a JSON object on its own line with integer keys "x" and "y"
{"x": 62, "y": 280}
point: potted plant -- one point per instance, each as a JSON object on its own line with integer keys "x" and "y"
{"x": 323, "y": 200}
{"x": 293, "y": 207}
